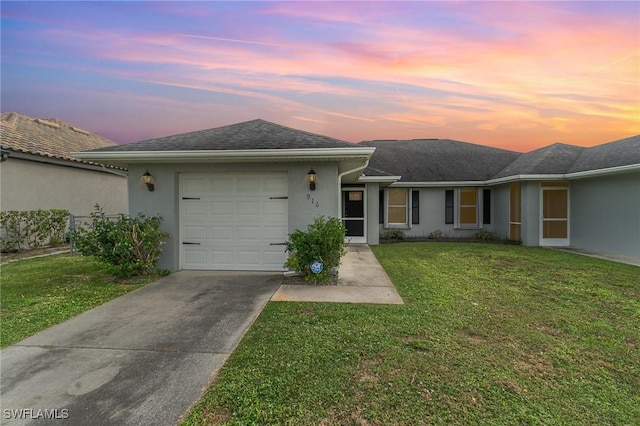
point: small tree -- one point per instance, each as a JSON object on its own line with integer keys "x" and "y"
{"x": 130, "y": 246}
{"x": 323, "y": 241}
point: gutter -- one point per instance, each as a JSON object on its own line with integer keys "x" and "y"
{"x": 222, "y": 155}
{"x": 520, "y": 178}
{"x": 340, "y": 176}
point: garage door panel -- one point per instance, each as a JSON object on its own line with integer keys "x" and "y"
{"x": 194, "y": 185}
{"x": 222, "y": 234}
{"x": 218, "y": 208}
{"x": 195, "y": 233}
{"x": 192, "y": 208}
{"x": 195, "y": 258}
{"x": 275, "y": 233}
{"x": 240, "y": 221}
{"x": 249, "y": 233}
{"x": 222, "y": 258}
{"x": 275, "y": 208}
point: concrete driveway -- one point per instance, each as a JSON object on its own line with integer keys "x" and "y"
{"x": 141, "y": 359}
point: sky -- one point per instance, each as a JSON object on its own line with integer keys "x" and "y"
{"x": 514, "y": 75}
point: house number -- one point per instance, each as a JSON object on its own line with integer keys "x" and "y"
{"x": 313, "y": 201}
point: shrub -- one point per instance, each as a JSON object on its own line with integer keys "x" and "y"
{"x": 393, "y": 234}
{"x": 130, "y": 246}
{"x": 484, "y": 235}
{"x": 32, "y": 228}
{"x": 323, "y": 241}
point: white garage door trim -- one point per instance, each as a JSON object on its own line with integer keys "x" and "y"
{"x": 233, "y": 221}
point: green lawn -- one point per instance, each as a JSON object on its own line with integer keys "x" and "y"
{"x": 489, "y": 334}
{"x": 38, "y": 293}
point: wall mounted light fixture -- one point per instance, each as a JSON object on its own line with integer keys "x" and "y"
{"x": 148, "y": 180}
{"x": 312, "y": 179}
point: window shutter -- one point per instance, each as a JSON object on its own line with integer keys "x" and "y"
{"x": 415, "y": 207}
{"x": 486, "y": 206}
{"x": 381, "y": 207}
{"x": 448, "y": 206}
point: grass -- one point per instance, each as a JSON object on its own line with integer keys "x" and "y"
{"x": 38, "y": 293}
{"x": 489, "y": 334}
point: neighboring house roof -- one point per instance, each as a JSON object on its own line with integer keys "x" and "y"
{"x": 51, "y": 138}
{"x": 437, "y": 160}
{"x": 249, "y": 135}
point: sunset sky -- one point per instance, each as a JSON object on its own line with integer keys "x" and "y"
{"x": 515, "y": 75}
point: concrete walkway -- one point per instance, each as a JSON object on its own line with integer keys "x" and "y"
{"x": 635, "y": 261}
{"x": 361, "y": 279}
{"x": 141, "y": 359}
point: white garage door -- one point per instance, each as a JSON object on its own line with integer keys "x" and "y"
{"x": 233, "y": 221}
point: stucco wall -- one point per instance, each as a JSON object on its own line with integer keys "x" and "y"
{"x": 304, "y": 205}
{"x": 373, "y": 214}
{"x": 500, "y": 210}
{"x": 605, "y": 214}
{"x": 432, "y": 217}
{"x": 530, "y": 213}
{"x": 30, "y": 185}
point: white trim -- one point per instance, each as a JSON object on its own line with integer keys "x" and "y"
{"x": 598, "y": 172}
{"x": 519, "y": 178}
{"x": 437, "y": 184}
{"x": 225, "y": 155}
{"x": 380, "y": 179}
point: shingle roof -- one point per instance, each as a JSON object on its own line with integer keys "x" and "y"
{"x": 46, "y": 137}
{"x": 249, "y": 135}
{"x": 553, "y": 159}
{"x": 437, "y": 160}
{"x": 613, "y": 154}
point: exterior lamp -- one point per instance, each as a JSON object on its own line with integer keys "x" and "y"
{"x": 148, "y": 180}
{"x": 312, "y": 179}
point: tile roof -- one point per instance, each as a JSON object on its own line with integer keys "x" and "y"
{"x": 46, "y": 137}
{"x": 437, "y": 160}
{"x": 248, "y": 135}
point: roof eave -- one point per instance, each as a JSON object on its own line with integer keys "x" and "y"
{"x": 248, "y": 155}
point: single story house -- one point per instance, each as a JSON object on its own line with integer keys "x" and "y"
{"x": 229, "y": 196}
{"x": 37, "y": 170}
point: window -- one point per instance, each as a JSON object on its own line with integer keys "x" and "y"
{"x": 381, "y": 207}
{"x": 468, "y": 207}
{"x": 515, "y": 223}
{"x": 448, "y": 206}
{"x": 415, "y": 207}
{"x": 397, "y": 206}
{"x": 486, "y": 207}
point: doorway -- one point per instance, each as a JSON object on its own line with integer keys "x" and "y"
{"x": 353, "y": 214}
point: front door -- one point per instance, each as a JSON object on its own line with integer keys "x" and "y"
{"x": 353, "y": 217}
{"x": 555, "y": 214}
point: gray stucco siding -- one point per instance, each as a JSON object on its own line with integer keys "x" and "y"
{"x": 500, "y": 210}
{"x": 303, "y": 204}
{"x": 432, "y": 216}
{"x": 605, "y": 214}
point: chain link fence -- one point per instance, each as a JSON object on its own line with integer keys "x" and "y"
{"x": 77, "y": 222}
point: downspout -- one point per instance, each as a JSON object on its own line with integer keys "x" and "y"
{"x": 340, "y": 176}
